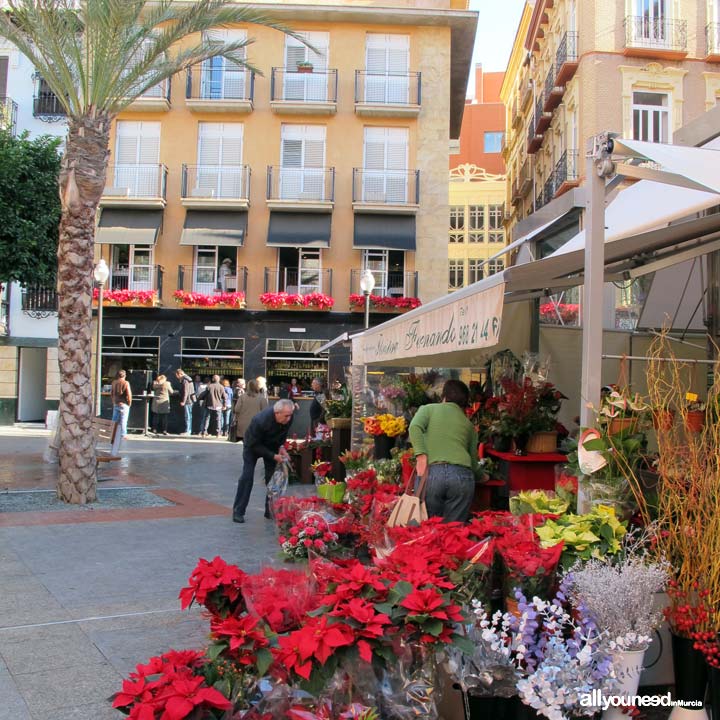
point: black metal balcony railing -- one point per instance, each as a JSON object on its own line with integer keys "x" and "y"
{"x": 566, "y": 169}
{"x": 386, "y": 187}
{"x": 298, "y": 281}
{"x": 549, "y": 85}
{"x": 567, "y": 51}
{"x": 47, "y": 105}
{"x": 309, "y": 184}
{"x": 658, "y": 33}
{"x": 712, "y": 38}
{"x": 141, "y": 278}
{"x": 290, "y": 85}
{"x": 388, "y": 88}
{"x": 216, "y": 182}
{"x": 161, "y": 91}
{"x": 8, "y": 115}
{"x": 206, "y": 279}
{"x": 39, "y": 300}
{"x": 220, "y": 83}
{"x": 136, "y": 181}
{"x": 387, "y": 284}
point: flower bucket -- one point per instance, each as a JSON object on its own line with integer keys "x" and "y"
{"x": 339, "y": 423}
{"x": 663, "y": 419}
{"x": 542, "y": 442}
{"x": 690, "y": 678}
{"x": 628, "y": 667}
{"x": 694, "y": 421}
{"x": 332, "y": 493}
{"x": 383, "y": 445}
{"x": 622, "y": 425}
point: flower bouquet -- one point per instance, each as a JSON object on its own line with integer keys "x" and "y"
{"x": 386, "y": 424}
{"x": 355, "y": 461}
{"x": 311, "y": 533}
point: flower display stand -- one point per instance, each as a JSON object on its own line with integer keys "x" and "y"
{"x": 526, "y": 472}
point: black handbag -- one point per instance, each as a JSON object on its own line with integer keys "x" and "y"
{"x": 232, "y": 433}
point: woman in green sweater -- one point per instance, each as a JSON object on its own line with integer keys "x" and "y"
{"x": 445, "y": 445}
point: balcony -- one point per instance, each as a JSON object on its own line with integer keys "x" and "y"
{"x": 136, "y": 186}
{"x": 303, "y": 92}
{"x": 39, "y": 301}
{"x": 526, "y": 95}
{"x": 156, "y": 99}
{"x": 47, "y": 107}
{"x": 136, "y": 278}
{"x": 522, "y": 183}
{"x": 205, "y": 280}
{"x": 658, "y": 37}
{"x": 565, "y": 174}
{"x": 216, "y": 186}
{"x": 552, "y": 93}
{"x": 566, "y": 58}
{"x": 712, "y": 39}
{"x": 8, "y": 115}
{"x": 543, "y": 118}
{"x": 393, "y": 284}
{"x": 387, "y": 94}
{"x": 298, "y": 281}
{"x": 386, "y": 191}
{"x": 219, "y": 89}
{"x": 298, "y": 188}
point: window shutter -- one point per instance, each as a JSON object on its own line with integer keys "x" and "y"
{"x": 209, "y": 144}
{"x": 149, "y": 144}
{"x": 295, "y": 52}
{"x": 374, "y": 148}
{"x": 126, "y": 143}
{"x": 397, "y": 148}
{"x": 321, "y": 41}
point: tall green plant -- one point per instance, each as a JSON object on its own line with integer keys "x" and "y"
{"x": 98, "y": 56}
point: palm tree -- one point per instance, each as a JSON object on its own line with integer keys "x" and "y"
{"x": 97, "y": 56}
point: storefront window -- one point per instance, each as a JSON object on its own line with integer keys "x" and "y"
{"x": 286, "y": 359}
{"x": 208, "y": 356}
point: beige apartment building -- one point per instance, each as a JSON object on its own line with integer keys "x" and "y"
{"x": 642, "y": 68}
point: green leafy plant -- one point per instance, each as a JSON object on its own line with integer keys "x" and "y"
{"x": 339, "y": 405}
{"x": 537, "y": 501}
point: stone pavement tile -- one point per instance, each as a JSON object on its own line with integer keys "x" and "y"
{"x": 93, "y": 711}
{"x": 11, "y": 568}
{"x": 74, "y": 686}
{"x": 36, "y": 607}
{"x": 12, "y": 705}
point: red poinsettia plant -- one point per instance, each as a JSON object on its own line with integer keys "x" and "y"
{"x": 312, "y": 301}
{"x": 216, "y": 586}
{"x": 121, "y": 297}
{"x": 527, "y": 565}
{"x": 385, "y": 302}
{"x": 205, "y": 300}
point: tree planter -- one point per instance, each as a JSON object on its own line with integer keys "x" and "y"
{"x": 628, "y": 667}
{"x": 690, "y": 678}
{"x": 694, "y": 421}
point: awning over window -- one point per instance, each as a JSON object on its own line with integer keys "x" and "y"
{"x": 384, "y": 232}
{"x": 128, "y": 226}
{"x": 214, "y": 227}
{"x": 290, "y": 229}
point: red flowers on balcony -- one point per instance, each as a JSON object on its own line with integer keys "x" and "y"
{"x": 381, "y": 302}
{"x": 311, "y": 301}
{"x": 202, "y": 300}
{"x": 147, "y": 298}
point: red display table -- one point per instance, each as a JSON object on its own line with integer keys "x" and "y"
{"x": 535, "y": 471}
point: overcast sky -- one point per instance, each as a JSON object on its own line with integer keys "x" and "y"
{"x": 497, "y": 25}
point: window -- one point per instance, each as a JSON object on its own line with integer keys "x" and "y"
{"x": 137, "y": 158}
{"x": 206, "y": 275}
{"x": 457, "y": 223}
{"x": 310, "y": 87}
{"x": 220, "y": 149}
{"x": 457, "y": 274}
{"x": 302, "y": 158}
{"x": 493, "y": 142}
{"x": 131, "y": 267}
{"x": 475, "y": 270}
{"x": 223, "y": 79}
{"x": 653, "y": 17}
{"x": 385, "y": 177}
{"x": 299, "y": 270}
{"x": 495, "y": 266}
{"x": 495, "y": 223}
{"x": 387, "y": 59}
{"x": 651, "y": 116}
{"x": 476, "y": 223}
{"x": 388, "y": 269}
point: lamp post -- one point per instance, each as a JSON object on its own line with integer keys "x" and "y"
{"x": 100, "y": 274}
{"x": 367, "y": 285}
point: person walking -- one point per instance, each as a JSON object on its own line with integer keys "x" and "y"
{"x": 162, "y": 390}
{"x": 247, "y": 406}
{"x": 228, "y": 409}
{"x": 215, "y": 402}
{"x": 238, "y": 388}
{"x": 187, "y": 398}
{"x": 317, "y": 406}
{"x": 121, "y": 396}
{"x": 264, "y": 438}
{"x": 445, "y": 444}
{"x": 262, "y": 385}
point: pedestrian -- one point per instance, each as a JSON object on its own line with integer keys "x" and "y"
{"x": 445, "y": 444}
{"x": 162, "y": 390}
{"x": 317, "y": 406}
{"x": 200, "y": 387}
{"x": 264, "y": 438}
{"x": 187, "y": 398}
{"x": 121, "y": 396}
{"x": 238, "y": 388}
{"x": 215, "y": 402}
{"x": 294, "y": 390}
{"x": 262, "y": 385}
{"x": 247, "y": 406}
{"x": 228, "y": 410}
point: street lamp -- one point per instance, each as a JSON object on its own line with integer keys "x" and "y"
{"x": 100, "y": 274}
{"x": 367, "y": 285}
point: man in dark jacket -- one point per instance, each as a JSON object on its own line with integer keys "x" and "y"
{"x": 215, "y": 402}
{"x": 264, "y": 439}
{"x": 187, "y": 398}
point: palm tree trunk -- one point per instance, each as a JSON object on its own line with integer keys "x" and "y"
{"x": 82, "y": 179}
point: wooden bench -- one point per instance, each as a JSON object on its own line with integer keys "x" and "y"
{"x": 107, "y": 431}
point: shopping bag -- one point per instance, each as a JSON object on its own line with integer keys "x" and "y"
{"x": 279, "y": 481}
{"x": 410, "y": 508}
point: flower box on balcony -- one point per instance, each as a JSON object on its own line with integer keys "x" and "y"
{"x": 214, "y": 301}
{"x": 382, "y": 304}
{"x": 127, "y": 298}
{"x": 284, "y": 301}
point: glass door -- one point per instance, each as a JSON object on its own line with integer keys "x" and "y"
{"x": 653, "y": 21}
{"x": 205, "y": 275}
{"x": 141, "y": 269}
{"x": 377, "y": 262}
{"x": 309, "y": 271}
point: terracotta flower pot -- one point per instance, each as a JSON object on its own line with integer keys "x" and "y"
{"x": 622, "y": 425}
{"x": 695, "y": 421}
{"x": 663, "y": 419}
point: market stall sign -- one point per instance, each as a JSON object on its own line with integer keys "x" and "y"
{"x": 471, "y": 322}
